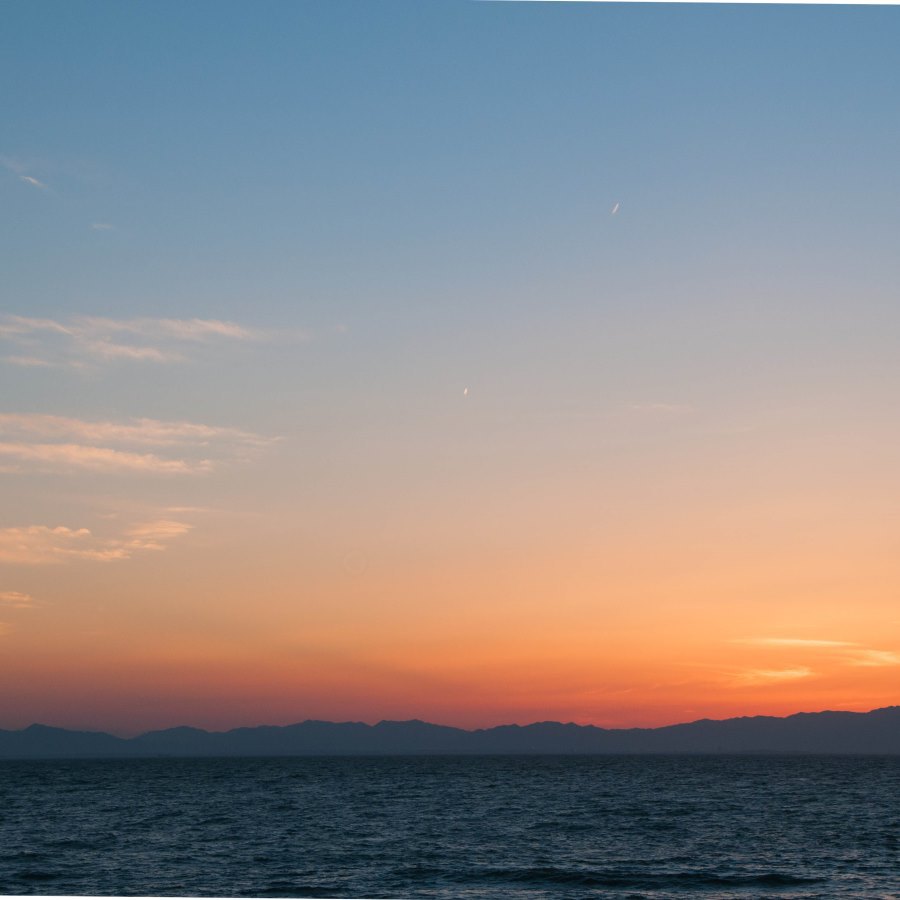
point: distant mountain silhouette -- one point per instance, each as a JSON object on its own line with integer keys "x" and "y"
{"x": 43, "y": 741}
{"x": 824, "y": 732}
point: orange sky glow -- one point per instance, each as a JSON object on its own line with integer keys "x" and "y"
{"x": 477, "y": 363}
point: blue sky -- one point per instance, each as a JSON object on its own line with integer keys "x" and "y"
{"x": 309, "y": 135}
{"x": 433, "y": 181}
{"x": 331, "y": 162}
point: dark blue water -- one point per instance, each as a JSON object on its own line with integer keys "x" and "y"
{"x": 485, "y": 827}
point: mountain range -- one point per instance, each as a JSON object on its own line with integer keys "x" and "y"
{"x": 876, "y": 732}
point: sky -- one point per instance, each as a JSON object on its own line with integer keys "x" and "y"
{"x": 471, "y": 362}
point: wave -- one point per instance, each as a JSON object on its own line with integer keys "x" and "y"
{"x": 549, "y": 875}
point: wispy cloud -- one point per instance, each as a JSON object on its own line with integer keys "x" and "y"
{"x": 102, "y": 226}
{"x": 16, "y": 599}
{"x": 65, "y": 457}
{"x": 137, "y": 431}
{"x": 27, "y": 361}
{"x": 180, "y": 329}
{"x": 772, "y": 676}
{"x": 84, "y": 340}
{"x": 848, "y": 652}
{"x": 20, "y": 169}
{"x": 44, "y": 545}
{"x": 792, "y": 642}
{"x": 40, "y": 544}
{"x": 153, "y": 535}
{"x": 873, "y": 658}
{"x": 61, "y": 444}
{"x": 107, "y": 350}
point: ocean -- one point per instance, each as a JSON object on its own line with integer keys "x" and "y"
{"x": 513, "y": 827}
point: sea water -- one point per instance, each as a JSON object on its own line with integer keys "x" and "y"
{"x": 463, "y": 827}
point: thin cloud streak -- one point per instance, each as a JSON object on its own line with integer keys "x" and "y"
{"x": 16, "y": 599}
{"x": 56, "y": 457}
{"x": 178, "y": 329}
{"x": 106, "y": 350}
{"x": 752, "y": 677}
{"x": 153, "y": 535}
{"x": 81, "y": 340}
{"x": 793, "y": 642}
{"x": 138, "y": 431}
{"x": 28, "y": 361}
{"x": 21, "y": 325}
{"x": 869, "y": 658}
{"x": 848, "y": 652}
{"x": 19, "y": 168}
{"x": 44, "y": 545}
{"x": 47, "y": 443}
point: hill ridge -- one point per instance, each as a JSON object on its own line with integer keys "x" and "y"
{"x": 827, "y": 732}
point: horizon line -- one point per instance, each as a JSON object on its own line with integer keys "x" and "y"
{"x": 441, "y": 725}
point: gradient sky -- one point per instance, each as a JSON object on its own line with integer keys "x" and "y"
{"x": 473, "y": 362}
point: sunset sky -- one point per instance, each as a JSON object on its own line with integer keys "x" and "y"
{"x": 470, "y": 362}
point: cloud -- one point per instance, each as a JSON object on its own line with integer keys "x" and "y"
{"x": 27, "y": 361}
{"x": 772, "y": 676}
{"x": 793, "y": 642}
{"x": 193, "y": 329}
{"x": 82, "y": 340}
{"x": 22, "y": 325}
{"x": 850, "y": 652}
{"x": 19, "y": 168}
{"x": 64, "y": 457}
{"x": 16, "y": 599}
{"x": 873, "y": 658}
{"x": 153, "y": 535}
{"x": 179, "y": 329}
{"x": 43, "y": 545}
{"x": 40, "y": 544}
{"x": 137, "y": 431}
{"x": 102, "y": 226}
{"x": 106, "y": 350}
{"x": 47, "y": 443}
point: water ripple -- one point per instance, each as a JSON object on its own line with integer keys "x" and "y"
{"x": 491, "y": 828}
